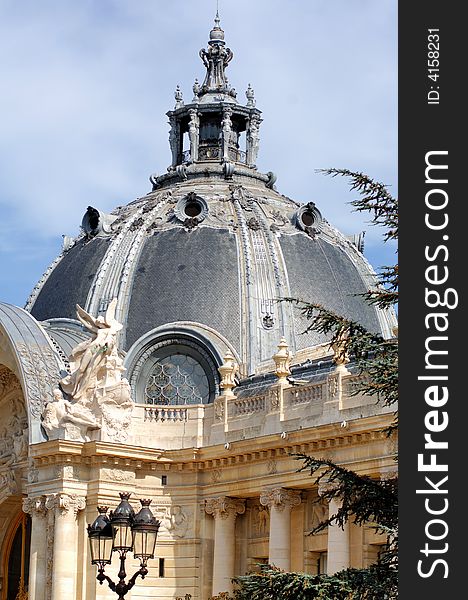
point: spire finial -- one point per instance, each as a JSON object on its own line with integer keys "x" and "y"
{"x": 216, "y": 58}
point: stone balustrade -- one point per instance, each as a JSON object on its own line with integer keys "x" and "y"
{"x": 162, "y": 414}
{"x": 323, "y": 400}
{"x": 247, "y": 406}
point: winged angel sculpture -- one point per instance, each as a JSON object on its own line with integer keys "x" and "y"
{"x": 94, "y": 395}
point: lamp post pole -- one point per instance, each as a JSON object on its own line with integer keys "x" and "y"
{"x": 123, "y": 531}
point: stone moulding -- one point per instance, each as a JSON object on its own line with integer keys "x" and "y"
{"x": 368, "y": 431}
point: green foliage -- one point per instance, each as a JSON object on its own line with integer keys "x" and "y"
{"x": 363, "y": 499}
{"x": 274, "y": 584}
{"x": 375, "y": 356}
{"x": 375, "y": 583}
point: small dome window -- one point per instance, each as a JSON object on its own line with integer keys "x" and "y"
{"x": 191, "y": 210}
{"x": 95, "y": 222}
{"x": 308, "y": 218}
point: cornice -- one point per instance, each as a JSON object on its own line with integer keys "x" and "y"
{"x": 104, "y": 454}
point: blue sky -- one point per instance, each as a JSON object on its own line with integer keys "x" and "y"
{"x": 86, "y": 85}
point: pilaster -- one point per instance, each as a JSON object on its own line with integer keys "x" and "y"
{"x": 65, "y": 508}
{"x": 36, "y": 508}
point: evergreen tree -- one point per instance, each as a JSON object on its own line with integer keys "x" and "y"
{"x": 363, "y": 500}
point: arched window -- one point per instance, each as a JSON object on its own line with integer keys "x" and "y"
{"x": 175, "y": 372}
{"x": 177, "y": 379}
{"x": 17, "y": 560}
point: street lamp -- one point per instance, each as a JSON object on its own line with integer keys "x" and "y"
{"x": 123, "y": 531}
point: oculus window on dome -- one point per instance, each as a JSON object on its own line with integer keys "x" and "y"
{"x": 191, "y": 210}
{"x": 308, "y": 218}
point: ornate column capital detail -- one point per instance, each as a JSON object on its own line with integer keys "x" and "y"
{"x": 65, "y": 503}
{"x": 35, "y": 507}
{"x": 388, "y": 475}
{"x": 280, "y": 498}
{"x": 326, "y": 486}
{"x": 224, "y": 507}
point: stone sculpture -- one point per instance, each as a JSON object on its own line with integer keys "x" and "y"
{"x": 94, "y": 395}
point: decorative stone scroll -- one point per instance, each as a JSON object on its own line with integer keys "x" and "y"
{"x": 224, "y": 507}
{"x": 65, "y": 504}
{"x": 35, "y": 507}
{"x": 94, "y": 395}
{"x": 280, "y": 498}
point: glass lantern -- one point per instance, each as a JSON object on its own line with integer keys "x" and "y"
{"x": 121, "y": 521}
{"x": 101, "y": 538}
{"x": 144, "y": 532}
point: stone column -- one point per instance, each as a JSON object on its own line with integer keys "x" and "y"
{"x": 338, "y": 554}
{"x": 65, "y": 543}
{"x": 224, "y": 511}
{"x": 280, "y": 501}
{"x": 35, "y": 507}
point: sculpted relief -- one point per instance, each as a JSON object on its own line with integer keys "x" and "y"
{"x": 94, "y": 396}
{"x": 14, "y": 432}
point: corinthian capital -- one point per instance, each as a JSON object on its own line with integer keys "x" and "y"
{"x": 65, "y": 503}
{"x": 280, "y": 498}
{"x": 224, "y": 507}
{"x": 35, "y": 507}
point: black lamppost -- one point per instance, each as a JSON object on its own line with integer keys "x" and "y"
{"x": 123, "y": 531}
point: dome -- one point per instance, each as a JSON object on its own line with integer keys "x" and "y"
{"x": 199, "y": 264}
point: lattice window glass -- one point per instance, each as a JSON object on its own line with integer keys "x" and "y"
{"x": 177, "y": 379}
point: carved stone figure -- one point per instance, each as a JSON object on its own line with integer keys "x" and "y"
{"x": 89, "y": 360}
{"x": 253, "y": 140}
{"x": 250, "y": 96}
{"x": 193, "y": 134}
{"x": 96, "y": 395}
{"x": 261, "y": 520}
{"x": 226, "y": 125}
{"x": 177, "y": 521}
{"x": 15, "y": 436}
{"x": 178, "y": 98}
{"x": 74, "y": 419}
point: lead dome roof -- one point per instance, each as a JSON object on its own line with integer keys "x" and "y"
{"x": 213, "y": 246}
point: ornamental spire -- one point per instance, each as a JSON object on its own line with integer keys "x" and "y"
{"x": 216, "y": 58}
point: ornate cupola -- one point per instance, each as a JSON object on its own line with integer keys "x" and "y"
{"x": 209, "y": 129}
